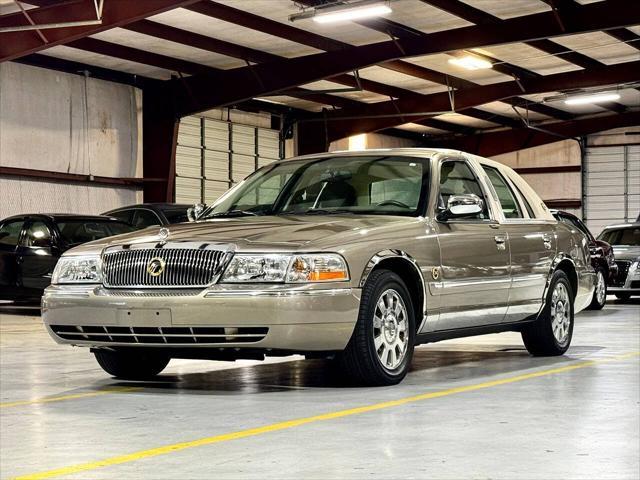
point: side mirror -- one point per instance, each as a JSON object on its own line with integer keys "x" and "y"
{"x": 460, "y": 206}
{"x": 194, "y": 213}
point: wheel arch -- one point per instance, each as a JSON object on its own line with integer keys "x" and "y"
{"x": 405, "y": 266}
{"x": 565, "y": 263}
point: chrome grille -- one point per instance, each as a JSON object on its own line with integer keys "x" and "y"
{"x": 184, "y": 267}
{"x": 160, "y": 335}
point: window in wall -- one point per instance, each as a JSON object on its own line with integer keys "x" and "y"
{"x": 508, "y": 202}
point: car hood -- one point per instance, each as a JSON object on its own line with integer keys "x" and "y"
{"x": 624, "y": 252}
{"x": 275, "y": 233}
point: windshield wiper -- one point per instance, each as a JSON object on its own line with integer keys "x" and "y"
{"x": 233, "y": 213}
{"x": 318, "y": 211}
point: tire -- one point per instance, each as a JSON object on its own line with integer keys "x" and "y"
{"x": 130, "y": 365}
{"x": 623, "y": 297}
{"x": 557, "y": 316}
{"x": 600, "y": 294}
{"x": 380, "y": 351}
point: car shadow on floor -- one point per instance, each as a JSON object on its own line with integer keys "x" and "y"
{"x": 429, "y": 367}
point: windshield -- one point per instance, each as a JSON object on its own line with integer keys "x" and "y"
{"x": 623, "y": 236}
{"x": 81, "y": 231}
{"x": 384, "y": 185}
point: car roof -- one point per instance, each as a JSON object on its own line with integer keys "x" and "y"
{"x": 153, "y": 206}
{"x": 422, "y": 152}
{"x": 622, "y": 225}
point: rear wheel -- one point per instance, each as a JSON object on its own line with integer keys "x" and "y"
{"x": 381, "y": 347}
{"x": 131, "y": 365}
{"x": 551, "y": 333}
{"x": 600, "y": 294}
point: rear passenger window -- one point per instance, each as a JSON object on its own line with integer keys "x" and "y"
{"x": 527, "y": 205}
{"x": 507, "y": 199}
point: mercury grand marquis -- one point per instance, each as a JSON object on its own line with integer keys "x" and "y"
{"x": 353, "y": 256}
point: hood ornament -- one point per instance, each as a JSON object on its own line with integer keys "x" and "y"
{"x": 163, "y": 233}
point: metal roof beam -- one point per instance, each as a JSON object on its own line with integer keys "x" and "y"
{"x": 385, "y": 114}
{"x": 489, "y": 144}
{"x": 115, "y": 13}
{"x": 248, "y": 82}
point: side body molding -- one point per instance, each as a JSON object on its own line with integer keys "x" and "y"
{"x": 386, "y": 255}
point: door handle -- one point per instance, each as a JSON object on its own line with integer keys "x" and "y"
{"x": 501, "y": 242}
{"x": 19, "y": 259}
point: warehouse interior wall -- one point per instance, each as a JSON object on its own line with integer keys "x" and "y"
{"x": 60, "y": 122}
{"x": 550, "y": 186}
{"x": 371, "y": 141}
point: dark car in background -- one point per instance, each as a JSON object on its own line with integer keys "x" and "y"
{"x": 148, "y": 214}
{"x": 30, "y": 246}
{"x": 602, "y": 258}
{"x": 625, "y": 240}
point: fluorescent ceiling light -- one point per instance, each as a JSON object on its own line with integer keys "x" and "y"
{"x": 471, "y": 62}
{"x": 589, "y": 98}
{"x": 354, "y": 13}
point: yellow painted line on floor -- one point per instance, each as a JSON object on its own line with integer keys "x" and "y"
{"x": 252, "y": 432}
{"x": 72, "y": 396}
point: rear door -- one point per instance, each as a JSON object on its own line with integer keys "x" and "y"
{"x": 475, "y": 255}
{"x": 533, "y": 247}
{"x": 10, "y": 233}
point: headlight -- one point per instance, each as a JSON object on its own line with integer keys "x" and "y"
{"x": 279, "y": 268}
{"x": 78, "y": 269}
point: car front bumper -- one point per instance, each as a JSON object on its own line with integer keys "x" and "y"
{"x": 294, "y": 318}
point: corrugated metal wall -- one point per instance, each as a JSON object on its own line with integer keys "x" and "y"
{"x": 27, "y": 195}
{"x": 212, "y": 155}
{"x": 611, "y": 191}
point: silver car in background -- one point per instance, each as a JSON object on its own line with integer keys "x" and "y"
{"x": 353, "y": 256}
{"x": 625, "y": 240}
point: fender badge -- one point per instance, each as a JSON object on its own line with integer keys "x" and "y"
{"x": 163, "y": 233}
{"x": 435, "y": 273}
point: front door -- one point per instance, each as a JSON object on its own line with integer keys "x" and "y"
{"x": 475, "y": 255}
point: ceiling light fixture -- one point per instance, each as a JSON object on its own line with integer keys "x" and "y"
{"x": 471, "y": 62}
{"x": 589, "y": 98}
{"x": 345, "y": 12}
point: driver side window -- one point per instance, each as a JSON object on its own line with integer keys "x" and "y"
{"x": 457, "y": 178}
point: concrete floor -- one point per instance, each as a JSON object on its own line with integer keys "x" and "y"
{"x": 574, "y": 423}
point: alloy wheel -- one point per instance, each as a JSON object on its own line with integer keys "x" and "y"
{"x": 390, "y": 334}
{"x": 560, "y": 313}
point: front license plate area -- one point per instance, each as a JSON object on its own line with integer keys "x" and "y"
{"x": 144, "y": 317}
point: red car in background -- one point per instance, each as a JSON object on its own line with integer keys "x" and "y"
{"x": 602, "y": 258}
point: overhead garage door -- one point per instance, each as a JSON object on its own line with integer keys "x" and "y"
{"x": 213, "y": 155}
{"x": 611, "y": 185}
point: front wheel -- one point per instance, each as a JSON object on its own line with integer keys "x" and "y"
{"x": 381, "y": 347}
{"x": 131, "y": 365}
{"x": 551, "y": 333}
{"x": 600, "y": 294}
